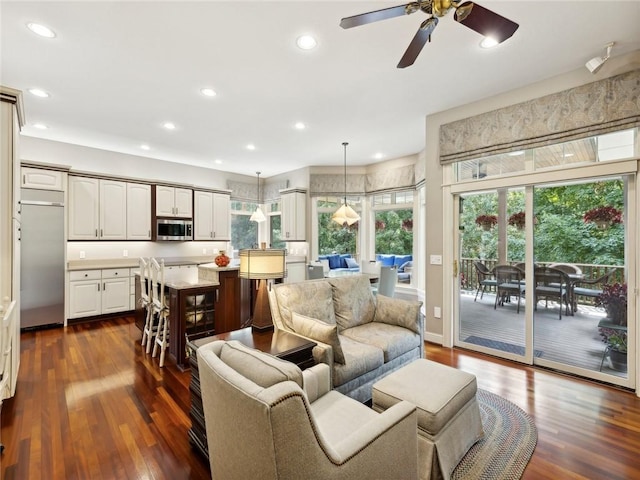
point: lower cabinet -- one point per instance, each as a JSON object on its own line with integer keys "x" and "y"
{"x": 99, "y": 292}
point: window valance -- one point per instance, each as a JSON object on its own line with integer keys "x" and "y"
{"x": 248, "y": 192}
{"x": 596, "y": 108}
{"x": 388, "y": 180}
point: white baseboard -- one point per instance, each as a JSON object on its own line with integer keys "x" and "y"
{"x": 433, "y": 337}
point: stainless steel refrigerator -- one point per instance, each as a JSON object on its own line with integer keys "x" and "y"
{"x": 42, "y": 258}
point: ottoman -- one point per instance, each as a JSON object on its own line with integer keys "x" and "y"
{"x": 448, "y": 414}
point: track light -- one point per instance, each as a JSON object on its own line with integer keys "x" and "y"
{"x": 596, "y": 63}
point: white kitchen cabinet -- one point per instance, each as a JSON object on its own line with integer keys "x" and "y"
{"x": 115, "y": 290}
{"x": 42, "y": 179}
{"x": 294, "y": 215}
{"x": 296, "y": 272}
{"x": 174, "y": 202}
{"x": 97, "y": 209}
{"x": 212, "y": 216}
{"x": 138, "y": 211}
{"x": 85, "y": 293}
{"x": 113, "y": 210}
{"x": 98, "y": 292}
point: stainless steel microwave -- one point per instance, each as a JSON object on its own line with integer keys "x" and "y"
{"x": 174, "y": 229}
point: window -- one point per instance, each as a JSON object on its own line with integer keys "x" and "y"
{"x": 275, "y": 226}
{"x": 244, "y": 233}
{"x": 394, "y": 223}
{"x": 331, "y": 236}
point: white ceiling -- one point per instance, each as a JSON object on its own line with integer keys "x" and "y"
{"x": 116, "y": 71}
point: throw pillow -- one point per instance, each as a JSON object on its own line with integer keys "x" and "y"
{"x": 405, "y": 265}
{"x": 394, "y": 311}
{"x": 352, "y": 300}
{"x": 351, "y": 263}
{"x": 259, "y": 367}
{"x": 320, "y": 331}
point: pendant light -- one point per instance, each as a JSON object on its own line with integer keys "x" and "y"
{"x": 345, "y": 215}
{"x": 258, "y": 216}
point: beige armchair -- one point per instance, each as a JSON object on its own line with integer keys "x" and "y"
{"x": 262, "y": 424}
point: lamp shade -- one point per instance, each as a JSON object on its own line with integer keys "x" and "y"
{"x": 345, "y": 214}
{"x": 258, "y": 264}
{"x": 257, "y": 216}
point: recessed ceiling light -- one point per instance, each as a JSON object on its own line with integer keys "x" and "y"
{"x": 41, "y": 30}
{"x": 378, "y": 156}
{"x": 306, "y": 42}
{"x": 251, "y": 146}
{"x": 217, "y": 161}
{"x": 38, "y": 92}
{"x": 40, "y": 126}
{"x": 488, "y": 42}
{"x": 516, "y": 154}
{"x": 169, "y": 125}
{"x": 300, "y": 126}
{"x": 144, "y": 146}
{"x": 208, "y": 92}
{"x": 568, "y": 155}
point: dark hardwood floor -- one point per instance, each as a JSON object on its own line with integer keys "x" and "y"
{"x": 91, "y": 405}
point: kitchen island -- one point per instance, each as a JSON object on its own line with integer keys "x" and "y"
{"x": 202, "y": 302}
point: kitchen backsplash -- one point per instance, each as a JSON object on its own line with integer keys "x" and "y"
{"x": 103, "y": 250}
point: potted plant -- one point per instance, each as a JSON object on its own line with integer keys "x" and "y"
{"x": 614, "y": 300}
{"x": 616, "y": 340}
{"x": 486, "y": 221}
{"x": 517, "y": 220}
{"x": 603, "y": 217}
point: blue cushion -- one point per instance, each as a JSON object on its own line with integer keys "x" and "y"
{"x": 401, "y": 260}
{"x": 351, "y": 263}
{"x": 343, "y": 260}
{"x": 385, "y": 260}
{"x": 404, "y": 265}
{"x": 334, "y": 261}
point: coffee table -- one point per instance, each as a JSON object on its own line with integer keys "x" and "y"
{"x": 284, "y": 345}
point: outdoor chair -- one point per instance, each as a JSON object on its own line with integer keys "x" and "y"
{"x": 509, "y": 283}
{"x": 551, "y": 283}
{"x": 590, "y": 288}
{"x": 485, "y": 279}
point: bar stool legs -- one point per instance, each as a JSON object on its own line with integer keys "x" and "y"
{"x": 159, "y": 308}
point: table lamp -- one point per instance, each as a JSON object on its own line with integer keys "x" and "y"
{"x": 262, "y": 264}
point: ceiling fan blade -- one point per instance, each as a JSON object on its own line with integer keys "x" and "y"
{"x": 415, "y": 47}
{"x": 485, "y": 22}
{"x": 378, "y": 15}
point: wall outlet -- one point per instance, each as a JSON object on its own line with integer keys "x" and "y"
{"x": 82, "y": 254}
{"x": 437, "y": 312}
{"x": 125, "y": 253}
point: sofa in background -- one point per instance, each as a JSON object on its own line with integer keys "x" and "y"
{"x": 340, "y": 261}
{"x": 404, "y": 264}
{"x": 267, "y": 419}
{"x": 361, "y": 337}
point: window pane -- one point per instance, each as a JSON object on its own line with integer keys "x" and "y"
{"x": 335, "y": 238}
{"x": 275, "y": 231}
{"x": 394, "y": 231}
{"x": 244, "y": 233}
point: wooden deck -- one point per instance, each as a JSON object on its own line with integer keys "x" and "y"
{"x": 572, "y": 340}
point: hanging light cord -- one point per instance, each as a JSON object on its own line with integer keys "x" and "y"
{"x": 258, "y": 202}
{"x": 344, "y": 144}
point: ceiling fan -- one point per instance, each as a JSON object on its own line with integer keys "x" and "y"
{"x": 470, "y": 14}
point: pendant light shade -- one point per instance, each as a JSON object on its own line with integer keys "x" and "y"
{"x": 258, "y": 216}
{"x": 345, "y": 215}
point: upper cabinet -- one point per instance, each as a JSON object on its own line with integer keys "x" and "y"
{"x": 138, "y": 211}
{"x": 101, "y": 209}
{"x": 294, "y": 215}
{"x": 212, "y": 216}
{"x": 174, "y": 201}
{"x": 42, "y": 179}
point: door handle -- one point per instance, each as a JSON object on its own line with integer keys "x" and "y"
{"x": 455, "y": 268}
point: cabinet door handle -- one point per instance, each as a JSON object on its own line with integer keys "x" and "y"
{"x": 96, "y": 233}
{"x": 104, "y": 286}
{"x": 98, "y": 286}
{"x": 101, "y": 233}
{"x": 211, "y": 234}
{"x": 217, "y": 295}
{"x": 24, "y": 179}
{"x": 149, "y": 233}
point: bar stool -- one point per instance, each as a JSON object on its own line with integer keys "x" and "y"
{"x": 145, "y": 303}
{"x": 160, "y": 308}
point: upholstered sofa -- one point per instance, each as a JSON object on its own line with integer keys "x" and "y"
{"x": 340, "y": 261}
{"x": 361, "y": 337}
{"x": 266, "y": 419}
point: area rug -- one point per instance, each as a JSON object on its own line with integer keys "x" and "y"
{"x": 510, "y": 437}
{"x": 498, "y": 345}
